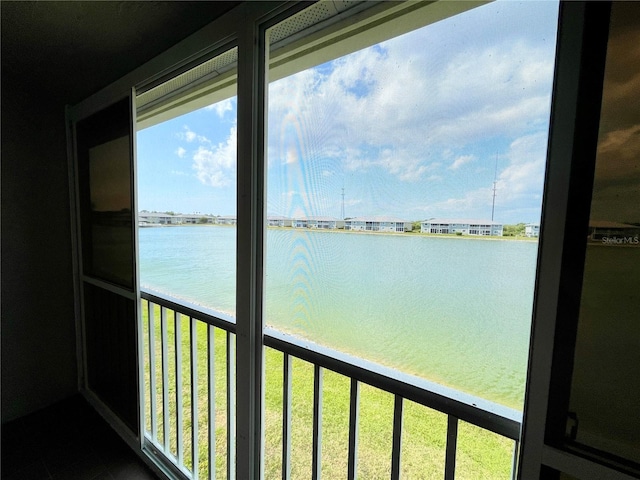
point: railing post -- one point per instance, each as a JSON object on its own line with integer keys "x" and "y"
{"x": 354, "y": 417}
{"x": 286, "y": 416}
{"x": 211, "y": 382}
{"x": 452, "y": 445}
{"x": 194, "y": 399}
{"x": 397, "y": 438}
{"x": 231, "y": 407}
{"x": 317, "y": 423}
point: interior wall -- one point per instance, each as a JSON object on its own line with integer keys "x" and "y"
{"x": 38, "y": 326}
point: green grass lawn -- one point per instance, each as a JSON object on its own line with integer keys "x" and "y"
{"x": 480, "y": 454}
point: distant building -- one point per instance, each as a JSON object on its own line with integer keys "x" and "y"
{"x": 226, "y": 220}
{"x": 278, "y": 221}
{"x": 157, "y": 218}
{"x": 193, "y": 219}
{"x": 532, "y": 230}
{"x": 150, "y": 219}
{"x": 378, "y": 224}
{"x": 462, "y": 227}
{"x": 318, "y": 222}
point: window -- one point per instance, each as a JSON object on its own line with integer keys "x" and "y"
{"x": 311, "y": 254}
{"x": 106, "y": 197}
{"x": 606, "y": 352}
{"x": 413, "y": 124}
{"x": 186, "y": 148}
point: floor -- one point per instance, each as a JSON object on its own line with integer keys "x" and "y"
{"x": 66, "y": 441}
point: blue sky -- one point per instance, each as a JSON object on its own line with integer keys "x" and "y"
{"x": 412, "y": 127}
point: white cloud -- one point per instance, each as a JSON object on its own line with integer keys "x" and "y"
{"x": 519, "y": 183}
{"x": 524, "y": 175}
{"x": 222, "y": 107}
{"x": 388, "y": 105}
{"x": 465, "y": 206}
{"x": 181, "y": 152}
{"x": 189, "y": 135}
{"x": 405, "y": 165}
{"x": 292, "y": 156}
{"x": 461, "y": 160}
{"x": 216, "y": 165}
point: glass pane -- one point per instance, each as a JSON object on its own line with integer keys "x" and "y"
{"x": 186, "y": 154}
{"x": 605, "y": 392}
{"x": 104, "y": 161}
{"x": 404, "y": 166}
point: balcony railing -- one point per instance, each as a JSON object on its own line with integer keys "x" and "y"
{"x": 189, "y": 373}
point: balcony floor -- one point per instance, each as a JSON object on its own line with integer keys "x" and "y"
{"x": 68, "y": 440}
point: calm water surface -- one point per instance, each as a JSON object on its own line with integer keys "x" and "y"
{"x": 455, "y": 311}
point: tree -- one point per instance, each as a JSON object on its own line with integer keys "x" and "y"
{"x": 516, "y": 230}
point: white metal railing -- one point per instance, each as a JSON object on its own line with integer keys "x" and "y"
{"x": 168, "y": 398}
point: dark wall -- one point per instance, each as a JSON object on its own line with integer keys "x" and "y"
{"x": 38, "y": 326}
{"x": 56, "y": 53}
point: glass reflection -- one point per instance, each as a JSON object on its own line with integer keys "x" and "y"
{"x": 605, "y": 394}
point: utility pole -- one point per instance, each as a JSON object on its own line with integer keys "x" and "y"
{"x": 342, "y": 211}
{"x": 495, "y": 179}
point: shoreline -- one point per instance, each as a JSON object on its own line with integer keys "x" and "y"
{"x": 358, "y": 232}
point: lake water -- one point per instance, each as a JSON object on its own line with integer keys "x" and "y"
{"x": 452, "y": 310}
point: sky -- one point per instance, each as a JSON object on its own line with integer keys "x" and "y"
{"x": 416, "y": 127}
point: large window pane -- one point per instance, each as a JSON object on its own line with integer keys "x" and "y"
{"x": 607, "y": 351}
{"x": 403, "y": 169}
{"x": 104, "y": 164}
{"x": 186, "y": 146}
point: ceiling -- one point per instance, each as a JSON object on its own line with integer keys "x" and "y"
{"x": 69, "y": 50}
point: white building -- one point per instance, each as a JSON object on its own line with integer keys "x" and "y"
{"x": 462, "y": 226}
{"x": 278, "y": 221}
{"x": 532, "y": 230}
{"x": 158, "y": 218}
{"x": 378, "y": 224}
{"x": 226, "y": 220}
{"x": 318, "y": 222}
{"x": 194, "y": 219}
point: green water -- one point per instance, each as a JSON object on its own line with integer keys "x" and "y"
{"x": 451, "y": 310}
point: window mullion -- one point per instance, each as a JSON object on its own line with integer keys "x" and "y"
{"x": 250, "y": 230}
